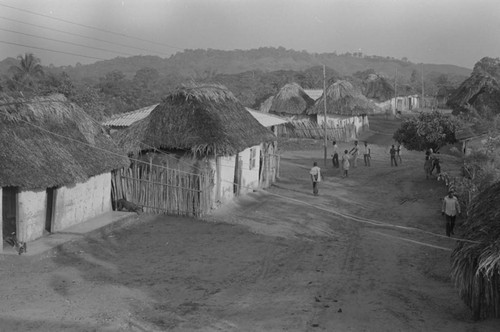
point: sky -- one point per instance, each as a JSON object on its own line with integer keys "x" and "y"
{"x": 67, "y": 32}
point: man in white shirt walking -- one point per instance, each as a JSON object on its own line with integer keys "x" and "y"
{"x": 366, "y": 154}
{"x": 315, "y": 173}
{"x": 450, "y": 209}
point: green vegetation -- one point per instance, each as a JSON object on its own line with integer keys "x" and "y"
{"x": 427, "y": 131}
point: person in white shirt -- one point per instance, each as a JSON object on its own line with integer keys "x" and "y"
{"x": 355, "y": 153}
{"x": 315, "y": 173}
{"x": 450, "y": 209}
{"x": 367, "y": 154}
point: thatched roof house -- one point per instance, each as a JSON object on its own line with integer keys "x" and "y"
{"x": 291, "y": 100}
{"x": 476, "y": 264}
{"x": 48, "y": 141}
{"x": 377, "y": 88}
{"x": 205, "y": 119}
{"x": 343, "y": 98}
{"x": 481, "y": 91}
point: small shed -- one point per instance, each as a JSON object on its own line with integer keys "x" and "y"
{"x": 55, "y": 166}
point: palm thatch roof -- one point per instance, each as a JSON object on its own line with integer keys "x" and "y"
{"x": 48, "y": 141}
{"x": 476, "y": 264}
{"x": 205, "y": 119}
{"x": 343, "y": 98}
{"x": 291, "y": 99}
{"x": 377, "y": 88}
{"x": 481, "y": 91}
{"x": 266, "y": 105}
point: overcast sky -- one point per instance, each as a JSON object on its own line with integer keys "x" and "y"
{"x": 456, "y": 32}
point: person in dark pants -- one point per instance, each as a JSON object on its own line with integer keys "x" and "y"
{"x": 392, "y": 152}
{"x": 398, "y": 154}
{"x": 335, "y": 155}
{"x": 315, "y": 178}
{"x": 450, "y": 209}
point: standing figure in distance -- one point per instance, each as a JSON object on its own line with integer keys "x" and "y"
{"x": 355, "y": 153}
{"x": 335, "y": 155}
{"x": 398, "y": 154}
{"x": 345, "y": 163}
{"x": 392, "y": 152}
{"x": 367, "y": 154}
{"x": 450, "y": 209}
{"x": 315, "y": 173}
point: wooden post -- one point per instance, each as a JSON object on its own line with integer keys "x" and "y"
{"x": 324, "y": 99}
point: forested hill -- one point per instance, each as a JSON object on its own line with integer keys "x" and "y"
{"x": 200, "y": 63}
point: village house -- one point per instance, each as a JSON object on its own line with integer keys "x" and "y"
{"x": 202, "y": 147}
{"x": 55, "y": 166}
{"x": 347, "y": 111}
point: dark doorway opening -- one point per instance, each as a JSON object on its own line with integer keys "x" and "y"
{"x": 9, "y": 211}
{"x": 49, "y": 209}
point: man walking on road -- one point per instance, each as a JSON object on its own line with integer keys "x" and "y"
{"x": 315, "y": 173}
{"x": 393, "y": 156}
{"x": 366, "y": 154}
{"x": 450, "y": 209}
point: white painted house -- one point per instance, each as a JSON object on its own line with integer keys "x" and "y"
{"x": 55, "y": 169}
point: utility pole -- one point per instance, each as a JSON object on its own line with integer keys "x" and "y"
{"x": 396, "y": 92}
{"x": 325, "y": 123}
{"x": 423, "y": 103}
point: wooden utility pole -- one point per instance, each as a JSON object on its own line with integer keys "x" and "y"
{"x": 396, "y": 92}
{"x": 423, "y": 103}
{"x": 325, "y": 123}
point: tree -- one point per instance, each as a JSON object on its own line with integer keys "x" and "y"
{"x": 429, "y": 130}
{"x": 27, "y": 73}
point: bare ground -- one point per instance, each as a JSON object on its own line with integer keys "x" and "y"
{"x": 366, "y": 255}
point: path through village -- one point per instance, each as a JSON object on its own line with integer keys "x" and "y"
{"x": 367, "y": 254}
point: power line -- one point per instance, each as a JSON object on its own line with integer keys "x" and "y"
{"x": 83, "y": 36}
{"x": 49, "y": 50}
{"x": 91, "y": 27}
{"x": 67, "y": 42}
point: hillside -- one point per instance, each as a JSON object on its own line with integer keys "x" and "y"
{"x": 200, "y": 63}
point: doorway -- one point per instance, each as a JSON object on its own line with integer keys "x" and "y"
{"x": 49, "y": 209}
{"x": 9, "y": 211}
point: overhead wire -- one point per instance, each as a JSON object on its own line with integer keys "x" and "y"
{"x": 84, "y": 36}
{"x": 51, "y": 50}
{"x": 67, "y": 42}
{"x": 91, "y": 27}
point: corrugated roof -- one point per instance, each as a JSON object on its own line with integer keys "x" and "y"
{"x": 265, "y": 119}
{"x": 314, "y": 93}
{"x": 126, "y": 119}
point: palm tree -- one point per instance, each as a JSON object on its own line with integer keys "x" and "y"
{"x": 29, "y": 69}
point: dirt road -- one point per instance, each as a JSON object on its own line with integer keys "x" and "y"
{"x": 359, "y": 257}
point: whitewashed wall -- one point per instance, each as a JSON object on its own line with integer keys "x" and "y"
{"x": 224, "y": 178}
{"x": 83, "y": 201}
{"x": 249, "y": 176}
{"x": 31, "y": 217}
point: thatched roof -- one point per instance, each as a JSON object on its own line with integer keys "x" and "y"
{"x": 266, "y": 105}
{"x": 476, "y": 264}
{"x": 481, "y": 90}
{"x": 377, "y": 88}
{"x": 40, "y": 147}
{"x": 343, "y": 98}
{"x": 291, "y": 99}
{"x": 205, "y": 119}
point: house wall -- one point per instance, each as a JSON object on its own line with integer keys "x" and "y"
{"x": 31, "y": 214}
{"x": 249, "y": 175}
{"x": 224, "y": 178}
{"x": 1, "y": 221}
{"x": 83, "y": 201}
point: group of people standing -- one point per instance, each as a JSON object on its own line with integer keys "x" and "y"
{"x": 349, "y": 156}
{"x": 431, "y": 163}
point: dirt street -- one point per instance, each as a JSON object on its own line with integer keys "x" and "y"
{"x": 367, "y": 254}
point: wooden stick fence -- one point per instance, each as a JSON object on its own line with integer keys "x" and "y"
{"x": 164, "y": 190}
{"x": 309, "y": 129}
